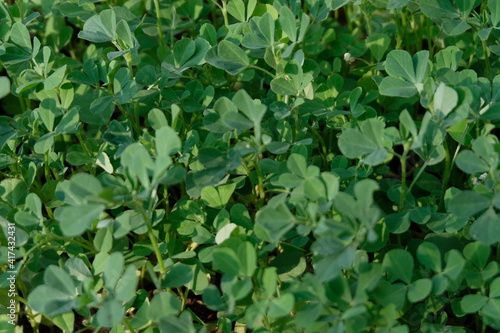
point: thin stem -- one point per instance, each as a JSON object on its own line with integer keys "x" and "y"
{"x": 135, "y": 126}
{"x": 163, "y": 47}
{"x": 152, "y": 238}
{"x": 262, "y": 192}
{"x": 127, "y": 323}
{"x": 486, "y": 59}
{"x": 262, "y": 70}
{"x": 224, "y": 14}
{"x": 404, "y": 190}
{"x": 450, "y": 163}
{"x": 184, "y": 296}
{"x": 417, "y": 176}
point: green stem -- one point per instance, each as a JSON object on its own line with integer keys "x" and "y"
{"x": 262, "y": 193}
{"x": 449, "y": 165}
{"x": 404, "y": 190}
{"x": 127, "y": 323}
{"x": 163, "y": 46}
{"x": 486, "y": 59}
{"x": 417, "y": 176}
{"x": 224, "y": 14}
{"x": 262, "y": 70}
{"x": 399, "y": 41}
{"x": 47, "y": 168}
{"x": 135, "y": 126}
{"x": 184, "y": 296}
{"x": 152, "y": 238}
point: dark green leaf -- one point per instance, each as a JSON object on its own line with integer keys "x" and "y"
{"x": 110, "y": 314}
{"x": 473, "y": 303}
{"x": 428, "y": 254}
{"x": 468, "y": 203}
{"x": 486, "y": 228}
{"x": 399, "y": 264}
{"x": 163, "y": 304}
{"x": 227, "y": 56}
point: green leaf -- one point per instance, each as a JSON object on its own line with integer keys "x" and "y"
{"x": 13, "y": 191}
{"x": 163, "y": 304}
{"x": 271, "y": 223}
{"x": 123, "y": 87}
{"x": 494, "y": 8}
{"x": 408, "y": 123}
{"x": 217, "y": 197}
{"x": 100, "y": 28}
{"x": 283, "y": 86}
{"x": 110, "y": 314}
{"x": 65, "y": 321}
{"x": 470, "y": 163}
{"x": 288, "y": 23}
{"x": 227, "y": 56}
{"x": 4, "y": 86}
{"x": 178, "y": 276}
{"x": 396, "y": 87}
{"x": 266, "y": 27}
{"x": 395, "y": 4}
{"x": 226, "y": 260}
{"x": 157, "y": 119}
{"x": 138, "y": 162}
{"x": 252, "y": 109}
{"x": 56, "y": 277}
{"x": 237, "y": 9}
{"x": 79, "y": 189}
{"x": 297, "y": 165}
{"x": 237, "y": 289}
{"x": 445, "y": 100}
{"x": 74, "y": 220}
{"x": 455, "y": 262}
{"x": 100, "y": 104}
{"x": 69, "y": 122}
{"x": 247, "y": 258}
{"x": 429, "y": 255}
{"x": 50, "y": 301}
{"x": 468, "y": 203}
{"x": 20, "y": 36}
{"x": 491, "y": 312}
{"x": 55, "y": 79}
{"x": 438, "y": 9}
{"x": 449, "y": 58}
{"x": 378, "y": 44}
{"x": 167, "y": 141}
{"x": 465, "y": 6}
{"x": 181, "y": 324}
{"x": 113, "y": 270}
{"x": 477, "y": 253}
{"x": 495, "y": 288}
{"x": 460, "y": 132}
{"x": 213, "y": 298}
{"x": 399, "y": 64}
{"x": 486, "y": 228}
{"x": 455, "y": 27}
{"x": 67, "y": 94}
{"x": 281, "y": 306}
{"x": 473, "y": 303}
{"x": 124, "y": 34}
{"x": 399, "y": 264}
{"x": 353, "y": 144}
{"x": 127, "y": 284}
{"x": 418, "y": 290}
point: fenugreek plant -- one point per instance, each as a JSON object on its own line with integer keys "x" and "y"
{"x": 244, "y": 166}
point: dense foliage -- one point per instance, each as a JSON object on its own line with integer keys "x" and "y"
{"x": 282, "y": 166}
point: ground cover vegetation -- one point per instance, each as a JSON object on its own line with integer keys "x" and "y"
{"x": 281, "y": 166}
